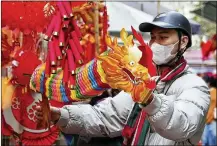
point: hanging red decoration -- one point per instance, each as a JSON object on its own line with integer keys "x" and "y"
{"x": 26, "y": 15}
{"x": 208, "y": 47}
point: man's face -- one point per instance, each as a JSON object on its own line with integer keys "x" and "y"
{"x": 166, "y": 37}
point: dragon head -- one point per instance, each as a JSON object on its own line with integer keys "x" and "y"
{"x": 122, "y": 68}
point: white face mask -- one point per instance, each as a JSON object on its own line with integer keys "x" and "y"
{"x": 162, "y": 54}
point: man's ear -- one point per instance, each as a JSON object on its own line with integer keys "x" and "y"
{"x": 184, "y": 42}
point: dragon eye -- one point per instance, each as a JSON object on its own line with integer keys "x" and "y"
{"x": 132, "y": 63}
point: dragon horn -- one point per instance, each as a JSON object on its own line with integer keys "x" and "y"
{"x": 138, "y": 36}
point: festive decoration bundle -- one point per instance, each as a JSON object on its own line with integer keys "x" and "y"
{"x": 19, "y": 103}
{"x": 116, "y": 68}
{"x": 78, "y": 64}
{"x": 23, "y": 28}
{"x": 208, "y": 48}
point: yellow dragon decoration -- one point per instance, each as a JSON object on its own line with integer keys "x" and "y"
{"x": 122, "y": 67}
{"x": 117, "y": 68}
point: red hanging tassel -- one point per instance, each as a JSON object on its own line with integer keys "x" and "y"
{"x": 76, "y": 28}
{"x": 65, "y": 24}
{"x": 75, "y": 51}
{"x": 50, "y": 28}
{"x": 105, "y": 29}
{"x": 66, "y": 72}
{"x": 89, "y": 52}
{"x": 52, "y": 53}
{"x": 47, "y": 65}
{"x": 57, "y": 24}
{"x": 77, "y": 42}
{"x": 62, "y": 10}
{"x": 71, "y": 61}
{"x": 57, "y": 49}
{"x": 61, "y": 38}
{"x": 68, "y": 8}
{"x": 72, "y": 81}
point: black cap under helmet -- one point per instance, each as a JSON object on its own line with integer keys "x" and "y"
{"x": 171, "y": 19}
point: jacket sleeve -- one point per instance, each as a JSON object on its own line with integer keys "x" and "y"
{"x": 106, "y": 118}
{"x": 181, "y": 114}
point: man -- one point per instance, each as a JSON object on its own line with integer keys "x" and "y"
{"x": 175, "y": 112}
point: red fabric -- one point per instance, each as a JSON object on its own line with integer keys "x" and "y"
{"x": 22, "y": 116}
{"x": 140, "y": 125}
{"x": 105, "y": 29}
{"x": 28, "y": 61}
{"x": 208, "y": 47}
{"x": 46, "y": 138}
{"x": 173, "y": 73}
{"x": 24, "y": 15}
{"x": 128, "y": 131}
{"x": 56, "y": 103}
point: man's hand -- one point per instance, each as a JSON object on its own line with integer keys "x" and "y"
{"x": 54, "y": 113}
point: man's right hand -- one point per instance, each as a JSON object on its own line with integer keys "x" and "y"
{"x": 54, "y": 113}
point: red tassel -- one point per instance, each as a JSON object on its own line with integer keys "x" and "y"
{"x": 105, "y": 29}
{"x": 71, "y": 62}
{"x": 59, "y": 64}
{"x": 206, "y": 49}
{"x": 68, "y": 8}
{"x": 53, "y": 69}
{"x": 66, "y": 72}
{"x": 75, "y": 51}
{"x": 76, "y": 28}
{"x": 57, "y": 24}
{"x": 63, "y": 61}
{"x": 65, "y": 24}
{"x": 57, "y": 49}
{"x": 61, "y": 38}
{"x": 48, "y": 65}
{"x": 52, "y": 53}
{"x": 50, "y": 28}
{"x": 77, "y": 42}
{"x": 62, "y": 10}
{"x": 89, "y": 52}
{"x": 72, "y": 81}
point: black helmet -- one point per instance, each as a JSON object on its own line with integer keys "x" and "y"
{"x": 171, "y": 19}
